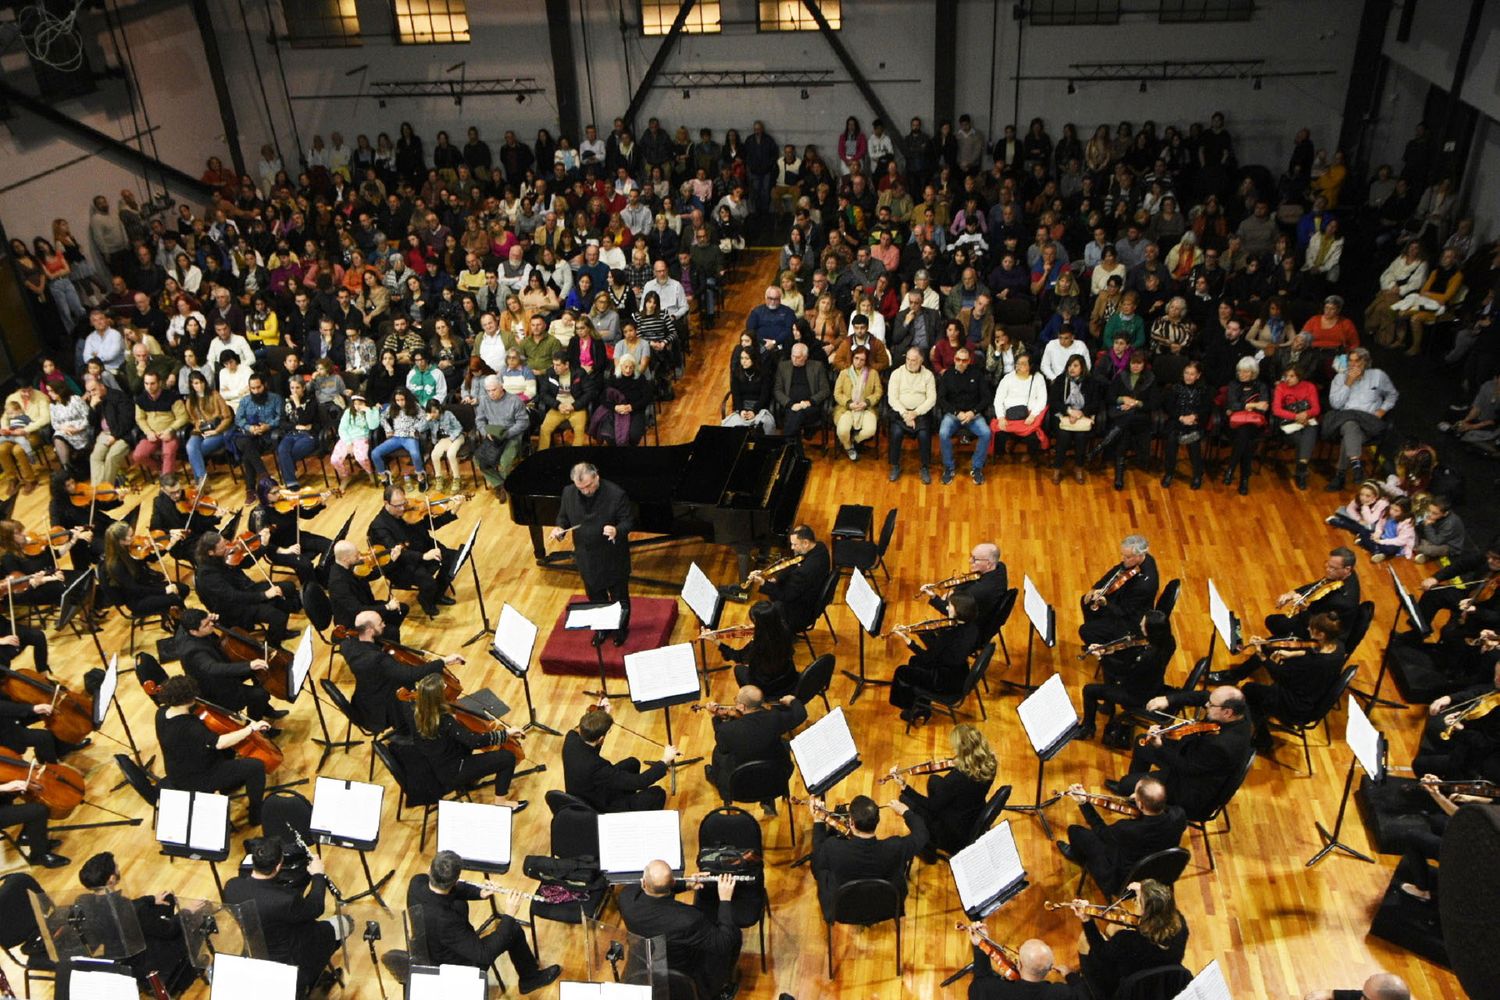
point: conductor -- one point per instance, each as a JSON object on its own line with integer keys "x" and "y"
{"x": 598, "y": 514}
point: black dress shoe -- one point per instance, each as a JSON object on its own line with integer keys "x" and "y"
{"x": 50, "y": 860}
{"x": 519, "y": 807}
{"x": 539, "y": 978}
{"x": 275, "y": 713}
{"x": 1228, "y": 476}
{"x": 68, "y": 748}
{"x": 446, "y": 601}
{"x": 1066, "y": 850}
{"x": 1084, "y": 733}
{"x": 1197, "y": 481}
{"x": 1244, "y": 487}
{"x": 429, "y": 609}
{"x": 1166, "y": 480}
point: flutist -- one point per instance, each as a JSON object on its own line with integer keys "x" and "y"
{"x": 939, "y": 661}
{"x": 1109, "y": 851}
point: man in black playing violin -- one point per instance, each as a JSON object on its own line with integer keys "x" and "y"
{"x": 350, "y": 593}
{"x": 418, "y": 560}
{"x": 1115, "y": 603}
{"x": 1337, "y": 591}
{"x": 752, "y": 731}
{"x": 1462, "y": 737}
{"x": 799, "y": 589}
{"x": 1468, "y": 588}
{"x": 228, "y": 683}
{"x": 1198, "y": 768}
{"x": 183, "y": 526}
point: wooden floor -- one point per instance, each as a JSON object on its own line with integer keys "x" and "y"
{"x": 1277, "y": 928}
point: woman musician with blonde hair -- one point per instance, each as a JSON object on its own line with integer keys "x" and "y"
{"x": 956, "y": 790}
{"x": 458, "y": 755}
{"x": 939, "y": 662}
{"x": 1158, "y": 938}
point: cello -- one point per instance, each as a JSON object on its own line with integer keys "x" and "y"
{"x": 242, "y": 647}
{"x": 221, "y": 722}
{"x": 56, "y": 786}
{"x": 408, "y": 656}
{"x": 72, "y": 718}
{"x": 474, "y": 722}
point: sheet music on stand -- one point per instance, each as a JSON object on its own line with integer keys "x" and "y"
{"x": 988, "y": 873}
{"x": 464, "y": 551}
{"x": 1408, "y": 605}
{"x": 825, "y": 752}
{"x": 446, "y": 982}
{"x": 347, "y": 813}
{"x": 1207, "y": 985}
{"x": 239, "y": 978}
{"x": 1366, "y": 742}
{"x": 1048, "y": 717}
{"x": 664, "y": 676}
{"x": 599, "y": 617}
{"x": 702, "y": 597}
{"x": 302, "y": 661}
{"x": 193, "y": 824}
{"x": 867, "y": 605}
{"x": 99, "y": 984}
{"x": 478, "y": 832}
{"x": 1041, "y": 615}
{"x": 603, "y": 991}
{"x": 515, "y": 639}
{"x": 106, "y": 692}
{"x": 1226, "y": 623}
{"x": 628, "y": 841}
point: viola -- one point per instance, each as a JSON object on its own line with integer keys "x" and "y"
{"x": 306, "y": 498}
{"x": 1118, "y": 579}
{"x": 18, "y": 582}
{"x": 1181, "y": 730}
{"x": 838, "y": 822}
{"x": 72, "y": 717}
{"x": 1100, "y": 911}
{"x": 1111, "y": 803}
{"x": 432, "y": 506}
{"x": 409, "y": 656}
{"x": 928, "y": 767}
{"x": 1118, "y": 646}
{"x": 1007, "y": 967}
{"x": 57, "y": 786}
{"x": 1474, "y": 708}
{"x": 193, "y": 502}
{"x": 244, "y": 546}
{"x": 146, "y": 546}
{"x": 36, "y": 543}
{"x": 1311, "y": 594}
{"x": 474, "y": 722}
{"x": 371, "y": 560}
{"x": 89, "y": 494}
{"x": 221, "y": 721}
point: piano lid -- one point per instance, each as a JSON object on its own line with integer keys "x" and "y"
{"x": 716, "y": 453}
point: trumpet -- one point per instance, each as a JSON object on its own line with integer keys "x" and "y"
{"x": 930, "y": 625}
{"x": 779, "y": 566}
{"x": 505, "y": 889}
{"x": 953, "y": 581}
{"x": 699, "y": 878}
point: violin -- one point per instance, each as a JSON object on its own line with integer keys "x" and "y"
{"x": 18, "y": 582}
{"x": 242, "y": 547}
{"x": 1285, "y": 643}
{"x": 720, "y": 711}
{"x": 432, "y": 506}
{"x": 1111, "y": 803}
{"x": 930, "y": 767}
{"x": 72, "y": 717}
{"x": 409, "y": 656}
{"x": 193, "y": 502}
{"x": 89, "y": 494}
{"x": 221, "y": 722}
{"x": 371, "y": 560}
{"x": 1007, "y": 965}
{"x": 1118, "y": 646}
{"x": 1180, "y": 730}
{"x": 773, "y": 569}
{"x": 1474, "y": 708}
{"x": 1310, "y": 595}
{"x": 1478, "y": 787}
{"x": 241, "y": 647}
{"x": 950, "y": 583}
{"x": 36, "y": 543}
{"x": 306, "y": 498}
{"x": 57, "y": 786}
{"x": 930, "y": 625}
{"x": 1485, "y": 593}
{"x": 727, "y": 632}
{"x": 474, "y": 722}
{"x": 145, "y": 546}
{"x": 840, "y": 823}
{"x": 1099, "y": 911}
{"x": 1118, "y": 579}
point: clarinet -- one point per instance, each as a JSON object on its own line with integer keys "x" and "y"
{"x": 333, "y": 889}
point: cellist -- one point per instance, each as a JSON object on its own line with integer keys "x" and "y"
{"x": 195, "y": 757}
{"x": 227, "y": 683}
{"x": 458, "y": 755}
{"x": 19, "y": 731}
{"x": 31, "y": 817}
{"x": 378, "y": 675}
{"x": 1195, "y": 768}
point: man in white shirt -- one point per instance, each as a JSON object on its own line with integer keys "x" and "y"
{"x": 912, "y": 394}
{"x": 226, "y": 339}
{"x": 670, "y": 291}
{"x": 104, "y": 342}
{"x": 879, "y": 145}
{"x": 637, "y": 217}
{"x": 515, "y": 271}
{"x": 591, "y": 149}
{"x": 1059, "y": 350}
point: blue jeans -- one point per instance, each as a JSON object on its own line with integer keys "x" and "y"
{"x": 293, "y": 447}
{"x": 391, "y": 445}
{"x": 979, "y": 427}
{"x": 200, "y": 447}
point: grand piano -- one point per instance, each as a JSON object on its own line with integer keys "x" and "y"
{"x": 731, "y": 486}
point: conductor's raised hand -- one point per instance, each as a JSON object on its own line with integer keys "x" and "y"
{"x": 558, "y": 534}
{"x": 609, "y": 532}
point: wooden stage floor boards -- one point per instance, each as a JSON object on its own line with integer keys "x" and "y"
{"x": 1277, "y": 928}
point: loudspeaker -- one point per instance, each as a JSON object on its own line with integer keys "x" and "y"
{"x": 1468, "y": 885}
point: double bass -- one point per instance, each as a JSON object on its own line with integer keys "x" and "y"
{"x": 72, "y": 718}
{"x": 221, "y": 722}
{"x": 56, "y": 786}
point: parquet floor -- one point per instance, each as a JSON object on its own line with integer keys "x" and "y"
{"x": 1277, "y": 928}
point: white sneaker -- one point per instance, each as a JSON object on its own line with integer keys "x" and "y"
{"x": 853, "y": 454}
{"x": 1379, "y": 557}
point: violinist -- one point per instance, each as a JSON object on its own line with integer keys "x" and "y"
{"x": 939, "y": 660}
{"x": 458, "y": 755}
{"x": 1342, "y": 600}
{"x": 351, "y": 593}
{"x": 283, "y": 540}
{"x": 195, "y": 757}
{"x": 1115, "y": 603}
{"x": 1471, "y": 719}
{"x": 1132, "y": 676}
{"x": 171, "y": 512}
{"x": 418, "y": 560}
{"x": 766, "y": 661}
{"x": 378, "y": 675}
{"x": 239, "y": 601}
{"x": 165, "y": 949}
{"x": 291, "y": 916}
{"x": 1424, "y": 842}
{"x": 753, "y": 731}
{"x": 46, "y": 581}
{"x": 137, "y": 583}
{"x": 956, "y": 796}
{"x": 1109, "y": 851}
{"x": 837, "y": 861}
{"x": 1036, "y": 963}
{"x": 31, "y": 816}
{"x": 1300, "y": 678}
{"x": 986, "y": 589}
{"x": 1194, "y": 768}
{"x": 799, "y": 590}
{"x": 227, "y": 683}
{"x": 84, "y": 520}
{"x": 1468, "y": 588}
{"x": 1107, "y": 956}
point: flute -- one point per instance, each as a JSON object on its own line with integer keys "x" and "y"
{"x": 507, "y": 890}
{"x": 698, "y": 878}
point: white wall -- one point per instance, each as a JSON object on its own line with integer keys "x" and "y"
{"x": 168, "y": 57}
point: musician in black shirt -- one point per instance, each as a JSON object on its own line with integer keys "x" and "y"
{"x": 183, "y": 530}
{"x": 597, "y": 513}
{"x": 283, "y": 540}
{"x": 1340, "y": 596}
{"x": 701, "y": 947}
{"x": 752, "y": 730}
{"x": 939, "y": 661}
{"x": 195, "y": 757}
{"x": 1115, "y": 603}
{"x": 1160, "y": 938}
{"x": 1132, "y": 676}
{"x": 955, "y": 796}
{"x": 1196, "y": 768}
{"x": 451, "y": 940}
{"x": 227, "y": 683}
{"x": 351, "y": 593}
{"x": 622, "y": 786}
{"x": 1472, "y": 749}
{"x": 240, "y": 602}
{"x": 134, "y": 582}
{"x": 289, "y": 916}
{"x": 837, "y": 861}
{"x": 1109, "y": 851}
{"x": 418, "y": 560}
{"x": 31, "y": 817}
{"x": 766, "y": 661}
{"x": 459, "y": 756}
{"x": 1035, "y": 963}
{"x": 987, "y": 589}
{"x": 165, "y": 952}
{"x": 799, "y": 589}
{"x": 1300, "y": 678}
{"x": 378, "y": 675}
{"x": 1380, "y": 986}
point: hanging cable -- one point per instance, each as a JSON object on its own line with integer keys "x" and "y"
{"x": 285, "y": 91}
{"x": 136, "y": 82}
{"x": 588, "y": 69}
{"x": 130, "y": 93}
{"x": 260, "y": 82}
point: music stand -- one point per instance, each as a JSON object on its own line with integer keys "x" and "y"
{"x": 465, "y": 555}
{"x": 194, "y": 825}
{"x": 1207, "y": 985}
{"x": 239, "y": 978}
{"x": 478, "y": 832}
{"x": 988, "y": 874}
{"x": 601, "y": 619}
{"x": 661, "y": 678}
{"x": 100, "y": 979}
{"x": 1050, "y": 722}
{"x": 1226, "y": 627}
{"x": 347, "y": 814}
{"x": 446, "y": 982}
{"x": 707, "y": 605}
{"x": 629, "y": 841}
{"x": 825, "y": 753}
{"x": 1043, "y": 619}
{"x": 869, "y": 610}
{"x": 1405, "y": 606}
{"x": 1368, "y": 745}
{"x": 515, "y": 638}
{"x": 107, "y": 696}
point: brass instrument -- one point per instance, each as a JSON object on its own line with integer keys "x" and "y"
{"x": 780, "y": 566}
{"x": 950, "y": 583}
{"x": 930, "y": 625}
{"x": 1118, "y": 646}
{"x": 505, "y": 889}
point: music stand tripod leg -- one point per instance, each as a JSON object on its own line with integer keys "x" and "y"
{"x": 603, "y": 691}
{"x": 374, "y": 886}
{"x": 531, "y": 709}
{"x": 1331, "y": 840}
{"x": 327, "y": 742}
{"x": 859, "y": 679}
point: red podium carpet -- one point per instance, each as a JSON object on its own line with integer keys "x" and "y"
{"x": 572, "y": 652}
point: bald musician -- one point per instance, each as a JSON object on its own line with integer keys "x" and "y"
{"x": 984, "y": 559}
{"x": 1380, "y": 986}
{"x": 1109, "y": 851}
{"x": 1036, "y": 963}
{"x": 699, "y": 946}
{"x": 350, "y": 593}
{"x": 378, "y": 675}
{"x": 751, "y": 731}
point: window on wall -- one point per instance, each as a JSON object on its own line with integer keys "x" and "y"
{"x": 657, "y": 17}
{"x": 1177, "y": 11}
{"x": 321, "y": 24}
{"x": 431, "y": 22}
{"x": 1055, "y": 12}
{"x": 792, "y": 15}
